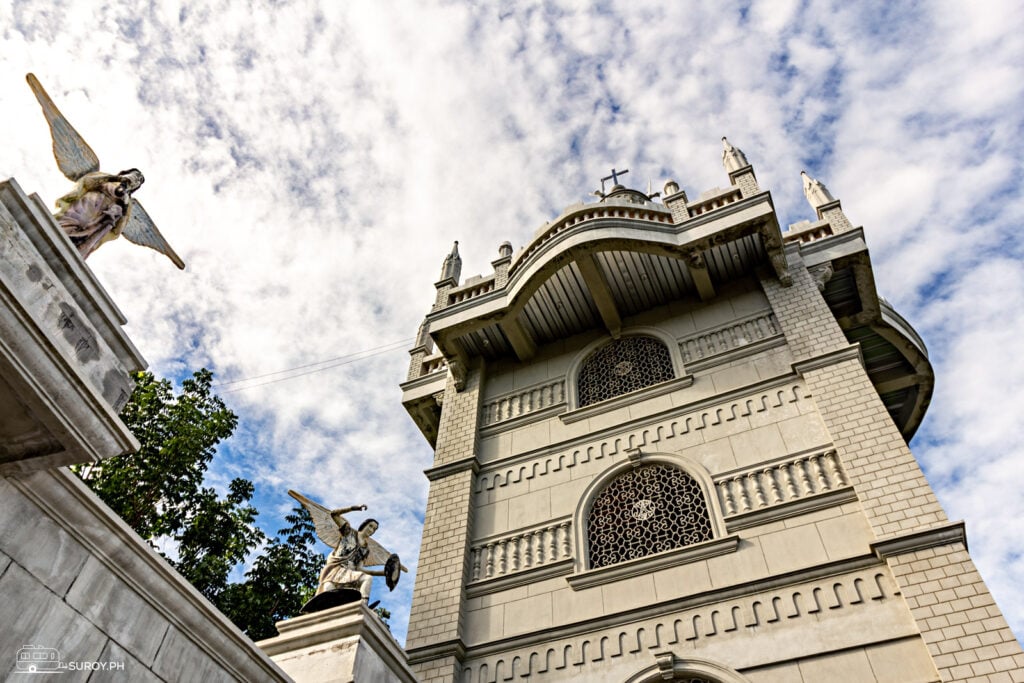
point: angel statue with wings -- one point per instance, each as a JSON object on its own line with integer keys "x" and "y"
{"x": 100, "y": 207}
{"x": 346, "y": 577}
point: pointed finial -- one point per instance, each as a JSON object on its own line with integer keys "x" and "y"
{"x": 815, "y": 191}
{"x": 452, "y": 267}
{"x": 733, "y": 159}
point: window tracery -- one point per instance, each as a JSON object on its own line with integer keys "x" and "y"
{"x": 646, "y": 510}
{"x": 622, "y": 366}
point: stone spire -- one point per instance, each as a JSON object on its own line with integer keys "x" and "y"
{"x": 825, "y": 205}
{"x": 815, "y": 191}
{"x": 452, "y": 267}
{"x": 733, "y": 159}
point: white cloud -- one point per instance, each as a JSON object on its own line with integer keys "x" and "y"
{"x": 313, "y": 162}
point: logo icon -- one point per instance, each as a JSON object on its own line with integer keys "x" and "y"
{"x": 38, "y": 659}
{"x": 643, "y": 510}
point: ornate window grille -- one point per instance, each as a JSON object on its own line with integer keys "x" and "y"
{"x": 647, "y": 510}
{"x": 622, "y": 366}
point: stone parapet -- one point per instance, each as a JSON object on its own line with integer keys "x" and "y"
{"x": 345, "y": 644}
{"x": 76, "y": 579}
{"x": 65, "y": 362}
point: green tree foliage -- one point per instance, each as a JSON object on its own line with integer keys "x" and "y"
{"x": 281, "y": 579}
{"x": 159, "y": 492}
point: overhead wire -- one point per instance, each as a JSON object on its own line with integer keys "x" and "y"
{"x": 311, "y": 368}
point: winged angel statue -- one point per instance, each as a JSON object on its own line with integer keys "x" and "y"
{"x": 346, "y": 577}
{"x": 101, "y": 206}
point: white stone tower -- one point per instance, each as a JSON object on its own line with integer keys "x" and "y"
{"x": 671, "y": 444}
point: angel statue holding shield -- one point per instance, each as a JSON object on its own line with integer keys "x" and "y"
{"x": 346, "y": 576}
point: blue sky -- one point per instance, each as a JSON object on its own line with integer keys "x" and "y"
{"x": 313, "y": 162}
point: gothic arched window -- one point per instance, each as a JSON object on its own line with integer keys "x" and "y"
{"x": 622, "y": 366}
{"x": 646, "y": 510}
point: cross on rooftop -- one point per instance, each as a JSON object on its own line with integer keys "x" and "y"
{"x": 614, "y": 177}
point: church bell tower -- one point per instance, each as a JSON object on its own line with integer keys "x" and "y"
{"x": 671, "y": 444}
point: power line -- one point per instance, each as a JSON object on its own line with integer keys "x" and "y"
{"x": 315, "y": 367}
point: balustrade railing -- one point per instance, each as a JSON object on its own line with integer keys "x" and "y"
{"x": 703, "y": 206}
{"x": 435, "y": 364}
{"x": 732, "y": 336}
{"x": 522, "y": 402}
{"x": 592, "y": 212}
{"x": 533, "y": 548}
{"x": 469, "y": 292}
{"x": 781, "y": 483}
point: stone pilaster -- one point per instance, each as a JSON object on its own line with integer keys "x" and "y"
{"x": 424, "y": 344}
{"x": 890, "y": 485}
{"x": 501, "y": 265}
{"x": 443, "y": 287}
{"x": 963, "y": 627}
{"x": 745, "y": 179}
{"x": 809, "y": 326}
{"x": 675, "y": 201}
{"x": 434, "y": 640}
{"x": 836, "y": 217}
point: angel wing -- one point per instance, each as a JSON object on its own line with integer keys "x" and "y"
{"x": 74, "y": 156}
{"x": 326, "y": 528}
{"x": 141, "y": 230}
{"x": 378, "y": 555}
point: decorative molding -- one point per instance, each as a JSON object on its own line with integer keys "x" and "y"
{"x": 448, "y": 648}
{"x": 669, "y": 666}
{"x": 523, "y": 402}
{"x": 621, "y": 400}
{"x": 770, "y": 604}
{"x": 651, "y": 563}
{"x": 703, "y": 414}
{"x": 954, "y": 532}
{"x": 441, "y": 471}
{"x": 851, "y": 352}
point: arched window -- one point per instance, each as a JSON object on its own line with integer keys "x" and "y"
{"x": 646, "y": 510}
{"x": 622, "y": 366}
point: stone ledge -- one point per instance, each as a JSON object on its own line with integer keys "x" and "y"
{"x": 954, "y": 532}
{"x": 851, "y": 352}
{"x": 448, "y": 648}
{"x": 519, "y": 578}
{"x": 448, "y": 469}
{"x": 632, "y": 397}
{"x": 737, "y": 353}
{"x": 794, "y": 508}
{"x": 651, "y": 563}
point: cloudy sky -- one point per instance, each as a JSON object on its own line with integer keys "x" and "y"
{"x": 313, "y": 161}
